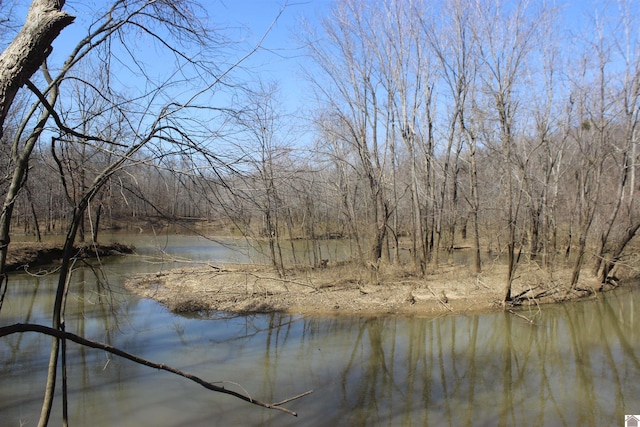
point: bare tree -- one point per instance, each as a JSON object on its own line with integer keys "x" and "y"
{"x": 342, "y": 166}
{"x": 347, "y": 62}
{"x": 453, "y": 45}
{"x": 143, "y": 120}
{"x": 506, "y": 38}
{"x": 18, "y": 62}
{"x": 262, "y": 149}
{"x": 593, "y": 136}
{"x": 405, "y": 70}
{"x": 627, "y": 105}
{"x": 457, "y": 53}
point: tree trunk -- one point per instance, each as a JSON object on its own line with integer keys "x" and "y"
{"x": 21, "y": 166}
{"x": 96, "y": 224}
{"x": 604, "y": 236}
{"x": 36, "y": 224}
{"x": 29, "y": 49}
{"x": 475, "y": 200}
{"x": 617, "y": 252}
{"x": 58, "y": 312}
{"x": 18, "y": 63}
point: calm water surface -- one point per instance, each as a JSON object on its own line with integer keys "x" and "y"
{"x": 579, "y": 365}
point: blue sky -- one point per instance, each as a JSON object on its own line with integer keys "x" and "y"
{"x": 280, "y": 57}
{"x": 244, "y": 20}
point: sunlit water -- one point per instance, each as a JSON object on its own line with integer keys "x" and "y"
{"x": 579, "y": 365}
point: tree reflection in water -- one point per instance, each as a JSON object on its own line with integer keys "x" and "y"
{"x": 577, "y": 365}
{"x": 492, "y": 369}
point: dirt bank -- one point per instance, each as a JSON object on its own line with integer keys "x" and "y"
{"x": 29, "y": 255}
{"x": 345, "y": 289}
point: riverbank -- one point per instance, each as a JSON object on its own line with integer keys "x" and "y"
{"x": 338, "y": 288}
{"x": 346, "y": 289}
{"x": 23, "y": 256}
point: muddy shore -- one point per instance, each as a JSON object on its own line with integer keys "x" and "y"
{"x": 345, "y": 289}
{"x": 34, "y": 255}
{"x": 336, "y": 289}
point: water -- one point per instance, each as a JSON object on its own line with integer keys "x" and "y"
{"x": 578, "y": 365}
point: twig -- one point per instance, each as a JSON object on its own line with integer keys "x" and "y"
{"x": 444, "y": 304}
{"x": 281, "y": 280}
{"x": 525, "y": 318}
{"x": 526, "y": 291}
{"x": 306, "y": 393}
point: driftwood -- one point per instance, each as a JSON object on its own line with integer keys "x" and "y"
{"x": 30, "y": 327}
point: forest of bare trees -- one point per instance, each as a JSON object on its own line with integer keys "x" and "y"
{"x": 506, "y": 127}
{"x": 78, "y": 131}
{"x": 489, "y": 125}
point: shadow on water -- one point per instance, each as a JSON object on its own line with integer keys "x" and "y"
{"x": 578, "y": 365}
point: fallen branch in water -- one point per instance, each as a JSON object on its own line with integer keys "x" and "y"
{"x": 30, "y": 327}
{"x": 523, "y": 317}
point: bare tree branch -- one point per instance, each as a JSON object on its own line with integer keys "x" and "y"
{"x": 63, "y": 335}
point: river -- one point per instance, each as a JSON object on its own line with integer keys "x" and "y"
{"x": 578, "y": 365}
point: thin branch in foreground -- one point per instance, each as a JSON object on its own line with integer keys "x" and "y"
{"x": 30, "y": 327}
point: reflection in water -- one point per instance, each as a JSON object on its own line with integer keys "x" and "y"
{"x": 578, "y": 365}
